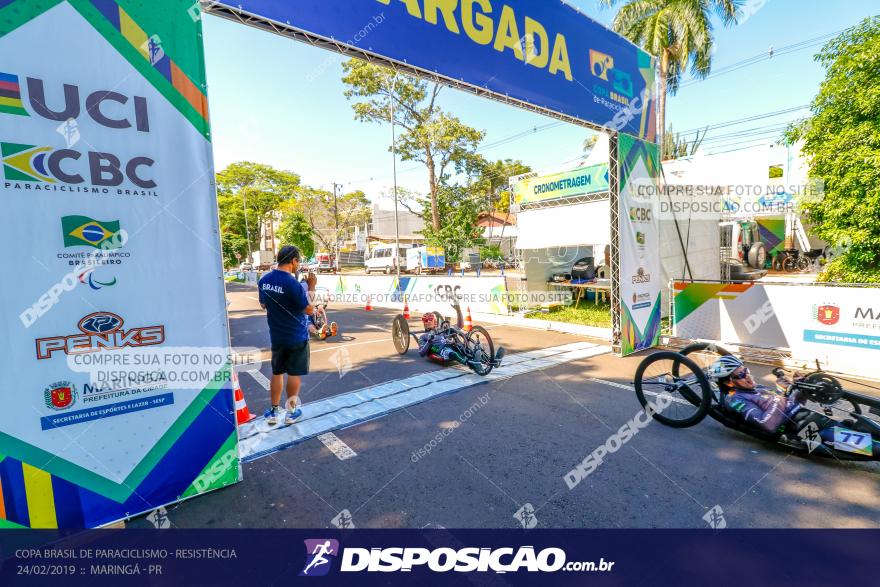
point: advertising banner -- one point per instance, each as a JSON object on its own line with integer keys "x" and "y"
{"x": 547, "y": 54}
{"x": 423, "y": 293}
{"x": 110, "y": 215}
{"x": 839, "y": 326}
{"x": 577, "y": 182}
{"x": 640, "y": 270}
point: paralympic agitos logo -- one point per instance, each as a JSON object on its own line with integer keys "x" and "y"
{"x": 98, "y": 332}
{"x": 28, "y": 164}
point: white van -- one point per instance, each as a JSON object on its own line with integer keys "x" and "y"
{"x": 382, "y": 259}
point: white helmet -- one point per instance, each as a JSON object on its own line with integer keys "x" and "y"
{"x": 724, "y": 366}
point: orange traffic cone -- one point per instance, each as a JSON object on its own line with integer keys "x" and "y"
{"x": 242, "y": 414}
{"x": 406, "y": 314}
{"x": 468, "y": 321}
{"x": 369, "y": 307}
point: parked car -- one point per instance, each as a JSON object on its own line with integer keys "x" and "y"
{"x": 745, "y": 241}
{"x": 383, "y": 259}
{"x": 325, "y": 263}
{"x": 310, "y": 265}
{"x": 246, "y": 267}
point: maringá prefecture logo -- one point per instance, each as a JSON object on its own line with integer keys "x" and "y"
{"x": 60, "y": 395}
{"x": 827, "y": 314}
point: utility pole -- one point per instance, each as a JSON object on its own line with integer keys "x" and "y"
{"x": 336, "y": 224}
{"x": 394, "y": 167}
{"x": 247, "y": 230}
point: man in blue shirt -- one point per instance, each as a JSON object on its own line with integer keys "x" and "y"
{"x": 288, "y": 307}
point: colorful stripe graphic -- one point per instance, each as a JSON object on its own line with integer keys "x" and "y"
{"x": 690, "y": 296}
{"x": 772, "y": 232}
{"x": 151, "y": 50}
{"x": 40, "y": 497}
{"x": 10, "y": 95}
{"x": 632, "y": 339}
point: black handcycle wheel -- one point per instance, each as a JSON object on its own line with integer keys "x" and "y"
{"x": 680, "y": 400}
{"x": 480, "y": 344}
{"x": 703, "y": 354}
{"x": 400, "y": 334}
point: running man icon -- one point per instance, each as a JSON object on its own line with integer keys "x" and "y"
{"x": 319, "y": 555}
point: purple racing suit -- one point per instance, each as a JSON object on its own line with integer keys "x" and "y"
{"x": 764, "y": 408}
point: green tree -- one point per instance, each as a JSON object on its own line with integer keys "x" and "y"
{"x": 323, "y": 217}
{"x": 679, "y": 32}
{"x": 842, "y": 142}
{"x": 492, "y": 182}
{"x": 234, "y": 248}
{"x": 295, "y": 230}
{"x": 676, "y": 146}
{"x": 437, "y": 139}
{"x": 459, "y": 230}
{"x": 257, "y": 189}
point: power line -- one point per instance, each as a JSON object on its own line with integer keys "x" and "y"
{"x": 738, "y": 121}
{"x": 766, "y": 56}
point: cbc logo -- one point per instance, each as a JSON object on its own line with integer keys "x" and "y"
{"x": 640, "y": 214}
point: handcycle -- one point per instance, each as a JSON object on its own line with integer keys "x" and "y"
{"x": 473, "y": 349}
{"x": 834, "y": 422}
{"x": 323, "y": 326}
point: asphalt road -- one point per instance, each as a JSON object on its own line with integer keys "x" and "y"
{"x": 515, "y": 441}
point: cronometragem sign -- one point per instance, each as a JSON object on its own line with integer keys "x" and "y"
{"x": 110, "y": 214}
{"x": 547, "y": 53}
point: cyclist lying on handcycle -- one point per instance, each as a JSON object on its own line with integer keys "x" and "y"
{"x": 437, "y": 342}
{"x": 771, "y": 410}
{"x": 757, "y": 405}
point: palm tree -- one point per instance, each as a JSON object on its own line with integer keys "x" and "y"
{"x": 679, "y": 32}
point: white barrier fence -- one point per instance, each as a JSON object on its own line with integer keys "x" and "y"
{"x": 487, "y": 295}
{"x": 838, "y": 325}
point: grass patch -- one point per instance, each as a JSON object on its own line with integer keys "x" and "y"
{"x": 586, "y": 313}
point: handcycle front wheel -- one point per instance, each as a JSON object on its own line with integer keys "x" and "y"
{"x": 680, "y": 392}
{"x": 400, "y": 334}
{"x": 478, "y": 338}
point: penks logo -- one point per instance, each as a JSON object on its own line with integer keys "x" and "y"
{"x": 60, "y": 395}
{"x": 827, "y": 314}
{"x": 98, "y": 332}
{"x": 10, "y": 95}
{"x": 85, "y": 231}
{"x": 319, "y": 556}
{"x": 641, "y": 276}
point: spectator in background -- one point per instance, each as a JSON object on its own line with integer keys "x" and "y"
{"x": 288, "y": 306}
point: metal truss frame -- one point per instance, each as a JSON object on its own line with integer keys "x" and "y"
{"x": 237, "y": 14}
{"x": 556, "y": 203}
{"x": 614, "y": 190}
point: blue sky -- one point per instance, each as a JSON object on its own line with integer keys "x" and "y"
{"x": 263, "y": 108}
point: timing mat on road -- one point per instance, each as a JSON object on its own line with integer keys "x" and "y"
{"x": 257, "y": 439}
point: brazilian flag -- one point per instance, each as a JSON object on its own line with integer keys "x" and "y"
{"x": 82, "y": 231}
